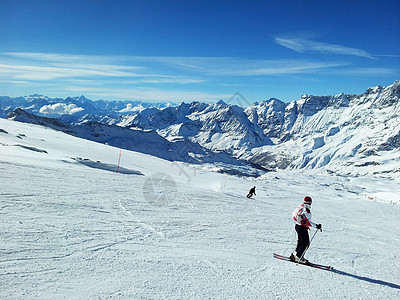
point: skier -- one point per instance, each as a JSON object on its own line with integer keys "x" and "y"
{"x": 251, "y": 192}
{"x": 302, "y": 217}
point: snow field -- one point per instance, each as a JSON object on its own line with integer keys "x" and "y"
{"x": 70, "y": 231}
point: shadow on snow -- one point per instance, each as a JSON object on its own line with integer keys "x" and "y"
{"x": 381, "y": 282}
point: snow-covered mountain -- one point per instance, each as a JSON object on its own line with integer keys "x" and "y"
{"x": 347, "y": 134}
{"x": 218, "y": 127}
{"x": 144, "y": 141}
{"x": 73, "y": 107}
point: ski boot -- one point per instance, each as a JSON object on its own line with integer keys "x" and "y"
{"x": 293, "y": 257}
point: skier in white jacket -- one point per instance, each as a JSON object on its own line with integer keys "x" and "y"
{"x": 302, "y": 217}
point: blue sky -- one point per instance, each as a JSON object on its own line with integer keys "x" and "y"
{"x": 197, "y": 50}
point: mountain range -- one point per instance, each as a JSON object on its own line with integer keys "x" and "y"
{"x": 346, "y": 134}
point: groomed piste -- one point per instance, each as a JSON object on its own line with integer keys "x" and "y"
{"x": 73, "y": 230}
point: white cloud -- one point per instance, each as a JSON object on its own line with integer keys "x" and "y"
{"x": 130, "y": 108}
{"x": 304, "y": 45}
{"x": 60, "y": 109}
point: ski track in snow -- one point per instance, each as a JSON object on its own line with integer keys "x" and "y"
{"x": 72, "y": 232}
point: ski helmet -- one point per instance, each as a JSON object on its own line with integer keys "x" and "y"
{"x": 307, "y": 200}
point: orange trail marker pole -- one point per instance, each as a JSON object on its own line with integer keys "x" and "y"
{"x": 119, "y": 159}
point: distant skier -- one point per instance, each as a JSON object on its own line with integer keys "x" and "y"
{"x": 302, "y": 218}
{"x": 251, "y": 192}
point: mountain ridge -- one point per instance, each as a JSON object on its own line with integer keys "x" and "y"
{"x": 144, "y": 141}
{"x": 326, "y": 132}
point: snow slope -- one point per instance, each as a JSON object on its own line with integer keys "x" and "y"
{"x": 143, "y": 141}
{"x": 171, "y": 230}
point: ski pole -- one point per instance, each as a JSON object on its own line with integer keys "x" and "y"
{"x": 307, "y": 246}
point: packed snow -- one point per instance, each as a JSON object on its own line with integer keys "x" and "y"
{"x": 71, "y": 228}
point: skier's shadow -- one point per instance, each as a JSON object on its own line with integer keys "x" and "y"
{"x": 371, "y": 280}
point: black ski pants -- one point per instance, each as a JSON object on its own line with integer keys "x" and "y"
{"x": 302, "y": 239}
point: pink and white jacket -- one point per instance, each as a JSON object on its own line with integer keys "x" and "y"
{"x": 302, "y": 216}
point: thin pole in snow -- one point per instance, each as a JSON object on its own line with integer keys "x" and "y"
{"x": 119, "y": 159}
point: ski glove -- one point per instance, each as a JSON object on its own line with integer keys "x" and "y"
{"x": 319, "y": 226}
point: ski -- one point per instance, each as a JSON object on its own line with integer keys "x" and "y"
{"x": 318, "y": 266}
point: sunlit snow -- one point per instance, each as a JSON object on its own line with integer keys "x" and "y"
{"x": 72, "y": 228}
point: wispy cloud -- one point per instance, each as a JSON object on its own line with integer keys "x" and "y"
{"x": 167, "y": 78}
{"x": 304, "y": 45}
{"x": 43, "y": 66}
{"x": 276, "y": 67}
{"x": 149, "y": 94}
{"x": 15, "y": 81}
{"x": 64, "y": 58}
{"x": 43, "y": 73}
{"x": 163, "y": 80}
{"x": 151, "y": 70}
{"x": 367, "y": 72}
{"x": 231, "y": 66}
